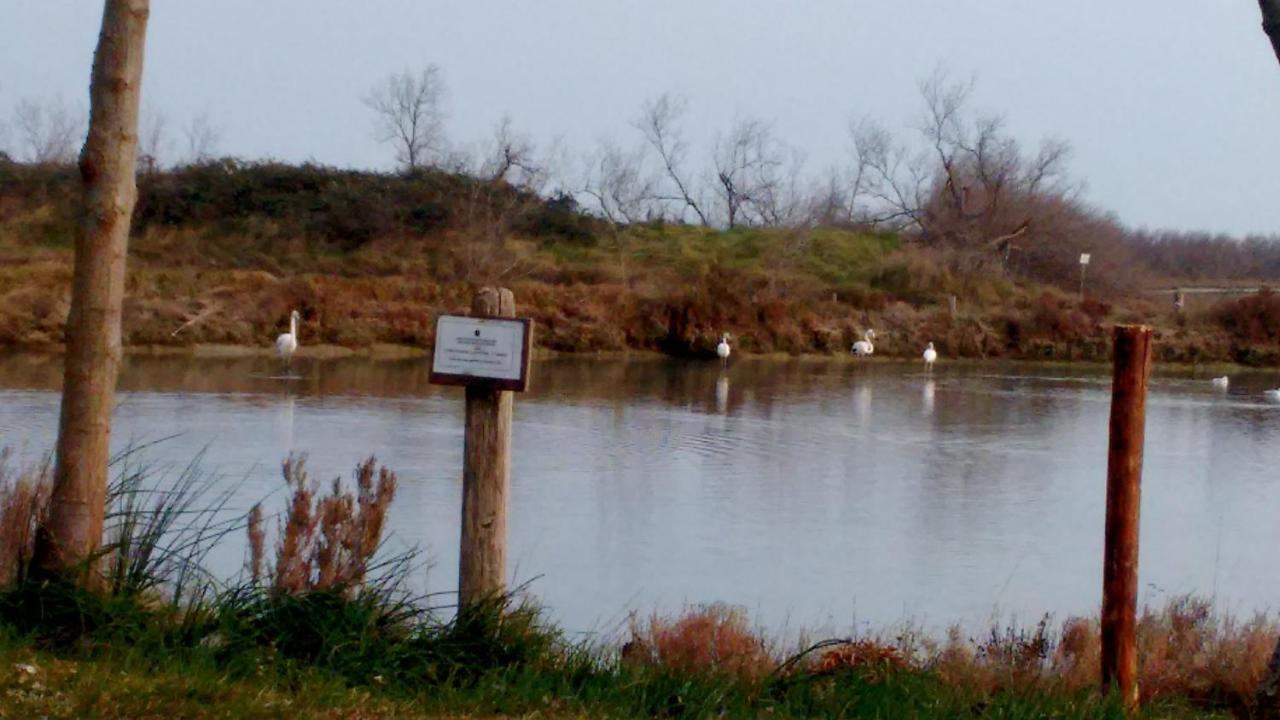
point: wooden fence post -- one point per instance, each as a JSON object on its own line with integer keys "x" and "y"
{"x": 1124, "y": 494}
{"x": 486, "y": 470}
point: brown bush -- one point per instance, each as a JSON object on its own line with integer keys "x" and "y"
{"x": 711, "y": 638}
{"x": 1254, "y": 319}
{"x": 1055, "y": 316}
{"x": 868, "y": 657}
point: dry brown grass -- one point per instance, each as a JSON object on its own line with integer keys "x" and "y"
{"x": 326, "y": 542}
{"x": 24, "y": 502}
{"x": 867, "y": 657}
{"x": 712, "y": 638}
{"x": 1186, "y": 651}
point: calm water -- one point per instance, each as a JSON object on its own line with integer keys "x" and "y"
{"x": 817, "y": 495}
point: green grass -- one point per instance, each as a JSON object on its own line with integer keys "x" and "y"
{"x": 325, "y": 655}
{"x": 124, "y": 682}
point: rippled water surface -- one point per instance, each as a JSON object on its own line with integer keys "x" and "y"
{"x": 817, "y": 494}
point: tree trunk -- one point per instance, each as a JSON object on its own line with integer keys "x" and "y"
{"x": 73, "y": 530}
{"x": 1271, "y": 23}
{"x": 1267, "y": 698}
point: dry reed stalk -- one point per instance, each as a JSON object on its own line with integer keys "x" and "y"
{"x": 326, "y": 542}
{"x": 24, "y": 502}
{"x": 257, "y": 543}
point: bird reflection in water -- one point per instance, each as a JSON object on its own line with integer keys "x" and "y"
{"x": 722, "y": 393}
{"x": 928, "y": 396}
{"x": 862, "y": 404}
{"x": 284, "y": 422}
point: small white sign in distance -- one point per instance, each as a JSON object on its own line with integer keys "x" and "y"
{"x": 490, "y": 349}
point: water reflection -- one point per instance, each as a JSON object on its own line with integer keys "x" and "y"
{"x": 812, "y": 492}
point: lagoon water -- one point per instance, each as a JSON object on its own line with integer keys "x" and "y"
{"x": 818, "y": 495}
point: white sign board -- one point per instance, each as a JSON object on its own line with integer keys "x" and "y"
{"x": 481, "y": 350}
{"x": 1084, "y": 258}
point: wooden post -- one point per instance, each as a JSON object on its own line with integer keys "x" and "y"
{"x": 951, "y": 305}
{"x": 1124, "y": 494}
{"x": 486, "y": 469}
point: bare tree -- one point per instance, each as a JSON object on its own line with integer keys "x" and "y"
{"x": 748, "y": 174}
{"x": 202, "y": 138}
{"x": 49, "y": 131}
{"x": 410, "y": 115}
{"x": 968, "y": 184}
{"x": 510, "y": 156}
{"x": 618, "y": 183}
{"x": 4, "y": 141}
{"x": 887, "y": 182}
{"x": 660, "y": 124}
{"x": 67, "y": 540}
{"x": 153, "y": 140}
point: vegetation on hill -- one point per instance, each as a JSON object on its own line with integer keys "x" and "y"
{"x": 221, "y": 252}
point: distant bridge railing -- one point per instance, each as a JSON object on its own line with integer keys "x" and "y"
{"x": 1197, "y": 290}
{"x": 1179, "y": 294}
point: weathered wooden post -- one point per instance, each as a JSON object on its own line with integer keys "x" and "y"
{"x": 1124, "y": 494}
{"x": 487, "y": 352}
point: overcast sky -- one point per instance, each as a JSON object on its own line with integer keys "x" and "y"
{"x": 1172, "y": 106}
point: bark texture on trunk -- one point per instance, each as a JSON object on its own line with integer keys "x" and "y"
{"x": 1271, "y": 23}
{"x": 73, "y": 530}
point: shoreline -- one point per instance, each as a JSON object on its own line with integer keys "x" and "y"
{"x": 386, "y": 352}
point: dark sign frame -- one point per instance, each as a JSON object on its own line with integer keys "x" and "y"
{"x": 520, "y": 385}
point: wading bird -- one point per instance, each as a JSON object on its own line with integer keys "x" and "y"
{"x": 723, "y": 349}
{"x": 1273, "y": 395}
{"x": 864, "y": 346}
{"x": 287, "y": 343}
{"x": 1221, "y": 382}
{"x": 930, "y": 357}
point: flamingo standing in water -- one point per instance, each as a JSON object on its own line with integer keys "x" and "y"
{"x": 864, "y": 346}
{"x": 930, "y": 357}
{"x": 287, "y": 343}
{"x": 723, "y": 350}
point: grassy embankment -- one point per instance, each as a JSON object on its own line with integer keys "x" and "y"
{"x": 318, "y": 627}
{"x": 222, "y": 252}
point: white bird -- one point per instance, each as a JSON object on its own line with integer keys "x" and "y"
{"x": 1221, "y": 382}
{"x": 930, "y": 356}
{"x": 864, "y": 346}
{"x": 1273, "y": 395}
{"x": 287, "y": 343}
{"x": 723, "y": 349}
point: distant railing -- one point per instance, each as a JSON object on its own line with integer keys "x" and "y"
{"x": 1205, "y": 291}
{"x": 1180, "y": 293}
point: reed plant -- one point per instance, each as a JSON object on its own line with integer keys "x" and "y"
{"x": 24, "y": 500}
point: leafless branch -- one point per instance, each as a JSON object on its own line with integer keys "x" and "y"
{"x": 202, "y": 139}
{"x": 659, "y": 123}
{"x": 49, "y": 131}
